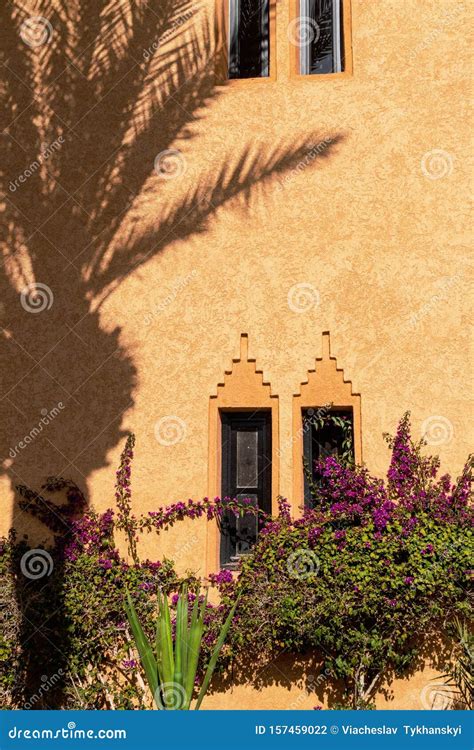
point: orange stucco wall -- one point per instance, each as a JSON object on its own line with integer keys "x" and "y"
{"x": 367, "y": 239}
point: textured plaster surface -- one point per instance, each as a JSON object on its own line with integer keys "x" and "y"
{"x": 370, "y": 243}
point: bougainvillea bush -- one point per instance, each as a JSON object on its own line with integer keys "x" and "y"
{"x": 368, "y": 578}
{"x": 68, "y": 643}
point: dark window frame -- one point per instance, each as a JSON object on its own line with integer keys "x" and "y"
{"x": 232, "y": 422}
{"x": 240, "y": 65}
{"x": 310, "y": 439}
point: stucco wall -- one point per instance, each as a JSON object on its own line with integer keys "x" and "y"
{"x": 379, "y": 240}
{"x": 375, "y": 228}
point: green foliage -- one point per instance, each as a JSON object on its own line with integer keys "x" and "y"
{"x": 370, "y": 577}
{"x": 366, "y": 600}
{"x": 461, "y": 673}
{"x": 171, "y": 663}
{"x": 10, "y": 626}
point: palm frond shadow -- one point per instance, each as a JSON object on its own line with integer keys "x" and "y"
{"x": 114, "y": 84}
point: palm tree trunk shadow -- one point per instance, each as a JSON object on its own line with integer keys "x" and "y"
{"x": 92, "y": 98}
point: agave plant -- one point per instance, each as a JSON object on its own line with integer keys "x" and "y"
{"x": 460, "y": 677}
{"x": 170, "y": 664}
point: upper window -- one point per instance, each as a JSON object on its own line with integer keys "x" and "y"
{"x": 325, "y": 433}
{"x": 249, "y": 38}
{"x": 319, "y": 35}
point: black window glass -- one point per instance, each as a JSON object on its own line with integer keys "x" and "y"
{"x": 249, "y": 38}
{"x": 246, "y": 474}
{"x": 321, "y": 37}
{"x": 325, "y": 433}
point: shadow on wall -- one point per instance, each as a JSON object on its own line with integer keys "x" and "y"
{"x": 302, "y": 681}
{"x": 95, "y": 95}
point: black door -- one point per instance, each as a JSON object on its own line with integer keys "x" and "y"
{"x": 246, "y": 473}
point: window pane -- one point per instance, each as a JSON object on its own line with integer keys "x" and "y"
{"x": 247, "y": 527}
{"x": 247, "y": 458}
{"x": 249, "y": 38}
{"x": 329, "y": 435}
{"x": 320, "y": 37}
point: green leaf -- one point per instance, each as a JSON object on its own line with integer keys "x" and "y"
{"x": 215, "y": 655}
{"x": 144, "y": 648}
